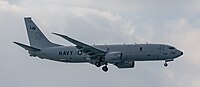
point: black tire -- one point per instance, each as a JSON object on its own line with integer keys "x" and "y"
{"x": 133, "y": 64}
{"x": 97, "y": 64}
{"x": 105, "y": 68}
{"x": 165, "y": 64}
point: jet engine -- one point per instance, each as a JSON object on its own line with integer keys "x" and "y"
{"x": 126, "y": 64}
{"x": 113, "y": 57}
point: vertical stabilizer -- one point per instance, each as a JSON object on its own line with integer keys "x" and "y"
{"x": 36, "y": 37}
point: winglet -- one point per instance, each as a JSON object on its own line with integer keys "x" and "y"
{"x": 58, "y": 34}
{"x": 69, "y": 39}
{"x": 29, "y": 48}
{"x": 61, "y": 35}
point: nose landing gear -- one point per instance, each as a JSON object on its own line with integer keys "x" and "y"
{"x": 168, "y": 60}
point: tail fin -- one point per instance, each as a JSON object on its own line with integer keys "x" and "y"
{"x": 36, "y": 38}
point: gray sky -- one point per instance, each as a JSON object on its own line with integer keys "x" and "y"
{"x": 174, "y": 22}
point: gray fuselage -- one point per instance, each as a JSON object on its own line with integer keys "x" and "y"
{"x": 131, "y": 52}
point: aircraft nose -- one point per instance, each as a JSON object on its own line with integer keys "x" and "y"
{"x": 181, "y": 53}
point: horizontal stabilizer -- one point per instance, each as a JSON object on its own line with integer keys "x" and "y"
{"x": 29, "y": 48}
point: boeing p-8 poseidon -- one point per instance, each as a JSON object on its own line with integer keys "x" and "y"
{"x": 122, "y": 56}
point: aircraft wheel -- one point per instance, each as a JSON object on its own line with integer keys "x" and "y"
{"x": 97, "y": 64}
{"x": 165, "y": 64}
{"x": 105, "y": 68}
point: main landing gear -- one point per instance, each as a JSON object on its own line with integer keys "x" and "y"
{"x": 97, "y": 64}
{"x": 165, "y": 64}
{"x": 105, "y": 68}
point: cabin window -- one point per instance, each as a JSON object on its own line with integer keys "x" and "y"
{"x": 140, "y": 48}
{"x": 171, "y": 48}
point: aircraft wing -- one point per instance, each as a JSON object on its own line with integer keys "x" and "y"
{"x": 93, "y": 52}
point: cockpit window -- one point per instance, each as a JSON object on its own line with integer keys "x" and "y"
{"x": 171, "y": 48}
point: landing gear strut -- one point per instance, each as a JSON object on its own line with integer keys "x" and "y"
{"x": 167, "y": 60}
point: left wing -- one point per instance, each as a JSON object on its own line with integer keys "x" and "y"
{"x": 93, "y": 52}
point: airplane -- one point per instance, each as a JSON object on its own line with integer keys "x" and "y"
{"x": 122, "y": 56}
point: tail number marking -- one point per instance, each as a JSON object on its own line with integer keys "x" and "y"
{"x": 32, "y": 28}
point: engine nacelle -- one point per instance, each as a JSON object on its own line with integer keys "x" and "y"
{"x": 126, "y": 64}
{"x": 113, "y": 57}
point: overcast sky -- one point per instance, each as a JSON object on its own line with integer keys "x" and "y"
{"x": 173, "y": 22}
